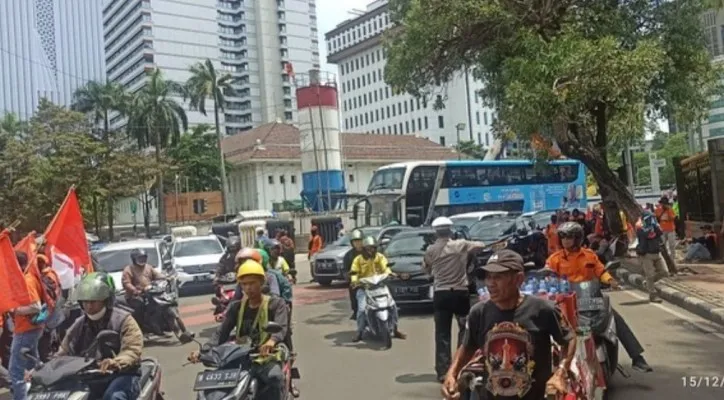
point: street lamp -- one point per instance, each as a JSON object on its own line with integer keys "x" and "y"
{"x": 459, "y": 128}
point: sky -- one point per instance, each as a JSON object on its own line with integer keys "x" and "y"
{"x": 329, "y": 14}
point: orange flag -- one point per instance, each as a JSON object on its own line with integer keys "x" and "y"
{"x": 13, "y": 290}
{"x": 66, "y": 244}
{"x": 27, "y": 244}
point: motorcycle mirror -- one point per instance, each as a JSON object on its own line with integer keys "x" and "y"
{"x": 109, "y": 340}
{"x": 27, "y": 353}
{"x": 391, "y": 264}
{"x": 612, "y": 265}
{"x": 293, "y": 272}
{"x": 384, "y": 242}
{"x": 273, "y": 327}
{"x": 529, "y": 265}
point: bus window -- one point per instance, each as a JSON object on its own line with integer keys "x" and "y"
{"x": 422, "y": 178}
{"x": 389, "y": 178}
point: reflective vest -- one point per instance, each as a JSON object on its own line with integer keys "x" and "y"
{"x": 261, "y": 320}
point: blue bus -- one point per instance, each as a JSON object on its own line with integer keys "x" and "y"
{"x": 413, "y": 193}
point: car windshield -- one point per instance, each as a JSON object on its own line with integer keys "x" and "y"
{"x": 409, "y": 245}
{"x": 491, "y": 230}
{"x": 192, "y": 248}
{"x": 344, "y": 241}
{"x": 117, "y": 260}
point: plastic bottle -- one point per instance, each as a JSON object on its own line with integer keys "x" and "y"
{"x": 542, "y": 288}
{"x": 553, "y": 283}
{"x": 528, "y": 288}
{"x": 564, "y": 286}
{"x": 552, "y": 293}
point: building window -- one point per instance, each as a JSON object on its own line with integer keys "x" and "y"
{"x": 395, "y": 128}
{"x": 271, "y": 179}
{"x": 426, "y": 122}
{"x": 442, "y": 140}
{"x": 288, "y": 116}
{"x": 477, "y": 117}
{"x": 485, "y": 117}
{"x": 480, "y": 138}
{"x": 407, "y": 126}
{"x": 281, "y": 179}
{"x": 413, "y": 125}
{"x": 294, "y": 179}
{"x": 351, "y": 178}
{"x": 440, "y": 122}
{"x": 405, "y": 107}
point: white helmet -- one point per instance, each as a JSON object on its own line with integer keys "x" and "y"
{"x": 442, "y": 223}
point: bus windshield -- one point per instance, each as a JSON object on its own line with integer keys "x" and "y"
{"x": 388, "y": 178}
{"x": 379, "y": 210}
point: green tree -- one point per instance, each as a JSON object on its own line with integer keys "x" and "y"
{"x": 196, "y": 156}
{"x": 205, "y": 83}
{"x": 157, "y": 119}
{"x": 471, "y": 149}
{"x": 100, "y": 100}
{"x": 585, "y": 73}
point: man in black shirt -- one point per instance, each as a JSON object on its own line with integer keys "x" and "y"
{"x": 514, "y": 332}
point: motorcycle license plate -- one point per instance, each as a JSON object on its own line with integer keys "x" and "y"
{"x": 590, "y": 304}
{"x": 218, "y": 379}
{"x": 49, "y": 396}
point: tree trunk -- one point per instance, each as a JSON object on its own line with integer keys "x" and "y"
{"x": 222, "y": 161}
{"x": 109, "y": 199}
{"x": 147, "y": 214}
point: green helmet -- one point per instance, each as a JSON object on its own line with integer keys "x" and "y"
{"x": 357, "y": 235}
{"x": 96, "y": 286}
{"x": 369, "y": 241}
{"x": 264, "y": 258}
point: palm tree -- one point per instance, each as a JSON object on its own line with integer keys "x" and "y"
{"x": 205, "y": 83}
{"x": 156, "y": 119}
{"x": 101, "y": 100}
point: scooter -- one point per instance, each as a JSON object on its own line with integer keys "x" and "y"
{"x": 162, "y": 300}
{"x": 596, "y": 313}
{"x": 228, "y": 375}
{"x": 72, "y": 377}
{"x": 225, "y": 290}
{"x": 379, "y": 305}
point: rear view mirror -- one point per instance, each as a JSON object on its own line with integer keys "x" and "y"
{"x": 384, "y": 242}
{"x": 273, "y": 327}
{"x": 293, "y": 272}
{"x": 612, "y": 265}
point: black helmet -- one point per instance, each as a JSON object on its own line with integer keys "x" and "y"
{"x": 233, "y": 244}
{"x": 138, "y": 254}
{"x": 571, "y": 229}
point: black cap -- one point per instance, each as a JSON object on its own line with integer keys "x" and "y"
{"x": 504, "y": 261}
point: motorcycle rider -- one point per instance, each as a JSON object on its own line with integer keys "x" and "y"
{"x": 136, "y": 280}
{"x": 579, "y": 264}
{"x": 246, "y": 319}
{"x": 367, "y": 264}
{"x": 356, "y": 237}
{"x": 261, "y": 237}
{"x": 276, "y": 261}
{"x": 95, "y": 295}
{"x": 227, "y": 263}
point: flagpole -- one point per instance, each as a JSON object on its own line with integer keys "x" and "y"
{"x": 10, "y": 228}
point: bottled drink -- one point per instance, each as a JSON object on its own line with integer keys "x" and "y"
{"x": 528, "y": 288}
{"x": 542, "y": 288}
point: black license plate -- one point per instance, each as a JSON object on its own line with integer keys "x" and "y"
{"x": 219, "y": 379}
{"x": 407, "y": 291}
{"x": 49, "y": 396}
{"x": 326, "y": 267}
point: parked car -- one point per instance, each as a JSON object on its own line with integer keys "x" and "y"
{"x": 196, "y": 259}
{"x": 404, "y": 252}
{"x": 114, "y": 257}
{"x": 468, "y": 219}
{"x": 328, "y": 265}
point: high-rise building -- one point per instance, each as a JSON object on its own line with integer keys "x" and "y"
{"x": 713, "y": 126}
{"x": 370, "y": 105}
{"x": 251, "y": 40}
{"x": 48, "y": 48}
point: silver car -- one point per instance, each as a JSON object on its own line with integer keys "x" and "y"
{"x": 328, "y": 265}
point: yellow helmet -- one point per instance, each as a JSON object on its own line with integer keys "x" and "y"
{"x": 250, "y": 267}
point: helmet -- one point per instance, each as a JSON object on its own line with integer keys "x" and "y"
{"x": 233, "y": 243}
{"x": 96, "y": 286}
{"x": 442, "y": 223}
{"x": 260, "y": 229}
{"x": 271, "y": 243}
{"x": 369, "y": 241}
{"x": 573, "y": 229}
{"x": 250, "y": 267}
{"x": 264, "y": 257}
{"x": 357, "y": 235}
{"x": 248, "y": 253}
{"x": 138, "y": 253}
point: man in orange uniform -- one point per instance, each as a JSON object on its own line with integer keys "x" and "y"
{"x": 315, "y": 242}
{"x": 667, "y": 222}
{"x": 26, "y": 334}
{"x": 551, "y": 235}
{"x": 578, "y": 264}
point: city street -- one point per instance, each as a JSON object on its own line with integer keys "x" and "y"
{"x": 678, "y": 345}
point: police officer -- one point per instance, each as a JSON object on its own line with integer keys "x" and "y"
{"x": 356, "y": 237}
{"x": 446, "y": 261}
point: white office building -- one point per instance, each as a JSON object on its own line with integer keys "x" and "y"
{"x": 251, "y": 40}
{"x": 713, "y": 126}
{"x": 369, "y": 105}
{"x": 48, "y": 48}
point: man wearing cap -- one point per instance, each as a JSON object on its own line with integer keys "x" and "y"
{"x": 516, "y": 327}
{"x": 446, "y": 261}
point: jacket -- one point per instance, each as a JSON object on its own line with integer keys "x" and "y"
{"x": 227, "y": 264}
{"x": 649, "y": 242}
{"x": 365, "y": 267}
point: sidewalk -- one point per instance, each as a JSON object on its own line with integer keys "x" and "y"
{"x": 698, "y": 288}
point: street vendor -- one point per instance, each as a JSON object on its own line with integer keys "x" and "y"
{"x": 579, "y": 264}
{"x": 513, "y": 328}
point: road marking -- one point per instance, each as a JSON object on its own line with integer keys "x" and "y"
{"x": 697, "y": 323}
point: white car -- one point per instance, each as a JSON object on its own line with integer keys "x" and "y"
{"x": 196, "y": 259}
{"x": 114, "y": 257}
{"x": 468, "y": 219}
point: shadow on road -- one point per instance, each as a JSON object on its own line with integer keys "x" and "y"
{"x": 207, "y": 332}
{"x": 344, "y": 339}
{"x": 416, "y": 378}
{"x": 634, "y": 303}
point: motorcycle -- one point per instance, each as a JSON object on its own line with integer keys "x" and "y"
{"x": 379, "y": 305}
{"x": 161, "y": 299}
{"x": 228, "y": 375}
{"x": 596, "y": 313}
{"x": 225, "y": 290}
{"x": 73, "y": 377}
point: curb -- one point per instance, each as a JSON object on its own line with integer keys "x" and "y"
{"x": 690, "y": 303}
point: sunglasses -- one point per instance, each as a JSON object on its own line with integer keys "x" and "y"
{"x": 566, "y": 236}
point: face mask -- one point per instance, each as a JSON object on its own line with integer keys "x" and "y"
{"x": 97, "y": 316}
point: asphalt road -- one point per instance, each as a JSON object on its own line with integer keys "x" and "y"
{"x": 678, "y": 345}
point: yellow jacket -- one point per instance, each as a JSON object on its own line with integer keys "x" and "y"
{"x": 364, "y": 268}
